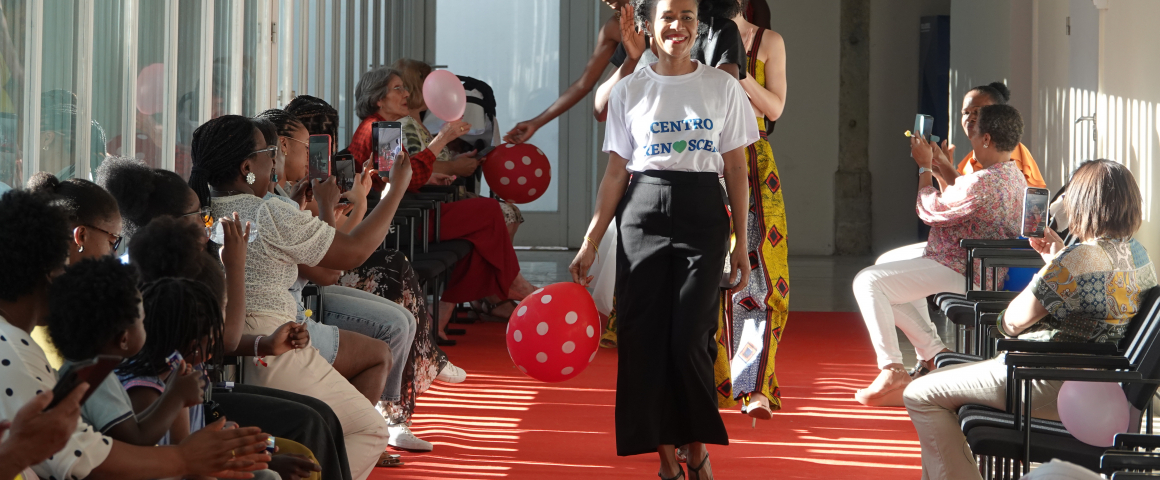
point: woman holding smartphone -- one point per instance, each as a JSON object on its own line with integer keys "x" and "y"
{"x": 673, "y": 128}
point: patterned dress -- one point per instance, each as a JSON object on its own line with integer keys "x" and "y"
{"x": 388, "y": 274}
{"x": 751, "y": 323}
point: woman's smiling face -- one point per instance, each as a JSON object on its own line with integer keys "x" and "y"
{"x": 674, "y": 23}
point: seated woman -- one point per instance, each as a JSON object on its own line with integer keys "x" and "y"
{"x": 984, "y": 204}
{"x": 492, "y": 269}
{"x": 1087, "y": 292}
{"x": 994, "y": 93}
{"x": 232, "y": 169}
{"x": 387, "y": 273}
{"x": 34, "y": 247}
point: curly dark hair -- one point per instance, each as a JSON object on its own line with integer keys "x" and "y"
{"x": 179, "y": 314}
{"x": 85, "y": 201}
{"x": 319, "y": 117}
{"x": 645, "y": 10}
{"x": 170, "y": 248}
{"x": 142, "y": 193}
{"x": 91, "y": 303}
{"x": 1003, "y": 123}
{"x": 218, "y": 149}
{"x": 34, "y": 241}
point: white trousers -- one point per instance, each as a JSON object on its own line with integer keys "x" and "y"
{"x": 893, "y": 294}
{"x": 933, "y": 403}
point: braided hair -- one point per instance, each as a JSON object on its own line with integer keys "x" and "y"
{"x": 84, "y": 201}
{"x": 284, "y": 122}
{"x": 218, "y": 149}
{"x": 179, "y": 312}
{"x": 316, "y": 115}
{"x": 33, "y": 242}
{"x": 142, "y": 193}
{"x": 91, "y": 303}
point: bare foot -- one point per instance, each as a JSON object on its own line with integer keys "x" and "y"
{"x": 887, "y": 389}
{"x": 520, "y": 288}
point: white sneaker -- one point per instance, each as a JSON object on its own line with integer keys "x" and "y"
{"x": 403, "y": 439}
{"x": 451, "y": 374}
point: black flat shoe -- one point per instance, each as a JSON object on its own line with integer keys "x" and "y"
{"x": 445, "y": 343}
{"x": 455, "y": 331}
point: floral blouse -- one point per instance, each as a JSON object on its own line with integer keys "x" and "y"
{"x": 985, "y": 204}
{"x": 1091, "y": 291}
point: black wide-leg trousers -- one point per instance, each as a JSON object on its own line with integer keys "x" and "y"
{"x": 673, "y": 238}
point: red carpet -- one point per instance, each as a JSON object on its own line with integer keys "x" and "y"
{"x": 502, "y": 424}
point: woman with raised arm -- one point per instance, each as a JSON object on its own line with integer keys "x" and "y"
{"x": 673, "y": 129}
{"x": 232, "y": 168}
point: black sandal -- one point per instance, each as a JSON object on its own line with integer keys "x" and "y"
{"x": 698, "y": 468}
{"x": 680, "y": 474}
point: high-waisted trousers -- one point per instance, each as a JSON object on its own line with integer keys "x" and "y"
{"x": 673, "y": 240}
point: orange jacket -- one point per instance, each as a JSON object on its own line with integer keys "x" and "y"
{"x": 1021, "y": 156}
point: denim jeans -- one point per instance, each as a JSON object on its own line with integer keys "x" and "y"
{"x": 376, "y": 317}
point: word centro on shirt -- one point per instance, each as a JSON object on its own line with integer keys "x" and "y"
{"x": 680, "y": 146}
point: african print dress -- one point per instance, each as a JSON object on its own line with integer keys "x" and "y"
{"x": 388, "y": 274}
{"x": 751, "y": 323}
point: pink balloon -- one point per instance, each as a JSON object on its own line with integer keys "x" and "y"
{"x": 554, "y": 333}
{"x": 444, "y": 95}
{"x": 518, "y": 173}
{"x": 150, "y": 89}
{"x": 1093, "y": 412}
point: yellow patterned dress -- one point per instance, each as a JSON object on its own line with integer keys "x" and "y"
{"x": 751, "y": 323}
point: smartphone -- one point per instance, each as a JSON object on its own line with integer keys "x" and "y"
{"x": 320, "y": 147}
{"x": 93, "y": 371}
{"x": 923, "y": 124}
{"x": 1034, "y": 212}
{"x": 388, "y": 138}
{"x": 344, "y": 171}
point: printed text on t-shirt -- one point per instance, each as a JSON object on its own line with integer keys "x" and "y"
{"x": 681, "y": 145}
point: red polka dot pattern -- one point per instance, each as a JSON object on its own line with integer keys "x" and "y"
{"x": 552, "y": 336}
{"x": 518, "y": 173}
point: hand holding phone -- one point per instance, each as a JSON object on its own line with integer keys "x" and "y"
{"x": 37, "y": 432}
{"x": 320, "y": 148}
{"x": 1034, "y": 212}
{"x": 387, "y": 138}
{"x": 92, "y": 371}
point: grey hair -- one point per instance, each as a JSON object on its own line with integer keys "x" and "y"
{"x": 372, "y": 87}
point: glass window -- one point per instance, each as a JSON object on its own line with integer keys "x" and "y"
{"x": 189, "y": 46}
{"x": 522, "y": 65}
{"x": 110, "y": 36}
{"x": 151, "y": 72}
{"x": 224, "y": 91}
{"x": 58, "y": 100}
{"x": 13, "y": 41}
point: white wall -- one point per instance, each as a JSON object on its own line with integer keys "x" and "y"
{"x": 805, "y": 142}
{"x": 894, "y": 36}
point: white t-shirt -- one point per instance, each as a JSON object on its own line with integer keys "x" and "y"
{"x": 682, "y": 122}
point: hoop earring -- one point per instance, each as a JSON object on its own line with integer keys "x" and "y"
{"x": 251, "y": 178}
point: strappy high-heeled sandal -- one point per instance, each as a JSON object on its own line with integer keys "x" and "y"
{"x": 680, "y": 474}
{"x": 697, "y": 470}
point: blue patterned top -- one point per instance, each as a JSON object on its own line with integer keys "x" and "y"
{"x": 1092, "y": 290}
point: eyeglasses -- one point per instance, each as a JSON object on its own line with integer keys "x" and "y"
{"x": 295, "y": 139}
{"x": 271, "y": 150}
{"x": 203, "y": 215}
{"x": 117, "y": 238}
{"x": 401, "y": 88}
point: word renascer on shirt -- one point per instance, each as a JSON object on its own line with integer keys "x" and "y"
{"x": 680, "y": 146}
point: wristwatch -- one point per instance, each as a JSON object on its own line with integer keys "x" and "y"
{"x": 922, "y": 170}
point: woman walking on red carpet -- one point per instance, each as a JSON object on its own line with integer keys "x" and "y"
{"x": 673, "y": 128}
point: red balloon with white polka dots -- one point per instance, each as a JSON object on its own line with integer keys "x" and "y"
{"x": 518, "y": 173}
{"x": 554, "y": 333}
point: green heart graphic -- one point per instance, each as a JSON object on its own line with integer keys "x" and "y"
{"x": 680, "y": 146}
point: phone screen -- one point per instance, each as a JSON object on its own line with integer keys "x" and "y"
{"x": 923, "y": 124}
{"x": 93, "y": 371}
{"x": 320, "y": 157}
{"x": 344, "y": 171}
{"x": 388, "y": 137}
{"x": 1034, "y": 212}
